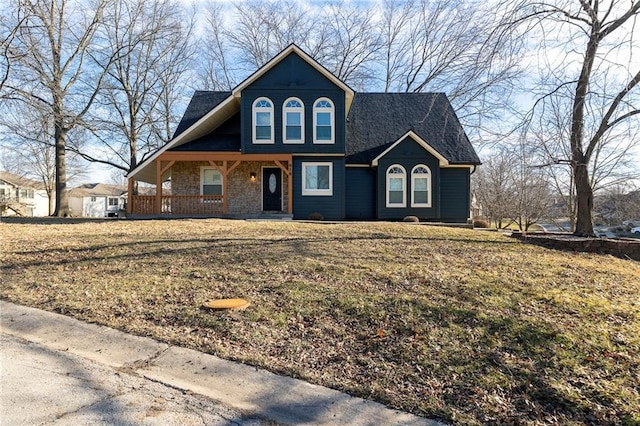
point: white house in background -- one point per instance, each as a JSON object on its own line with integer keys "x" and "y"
{"x": 20, "y": 196}
{"x": 97, "y": 200}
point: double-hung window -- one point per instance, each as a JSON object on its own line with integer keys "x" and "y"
{"x": 421, "y": 186}
{"x": 317, "y": 178}
{"x": 293, "y": 121}
{"x": 210, "y": 181}
{"x": 262, "y": 112}
{"x": 323, "y": 121}
{"x": 396, "y": 184}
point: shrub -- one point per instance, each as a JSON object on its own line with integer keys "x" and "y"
{"x": 480, "y": 222}
{"x": 411, "y": 219}
{"x": 315, "y": 216}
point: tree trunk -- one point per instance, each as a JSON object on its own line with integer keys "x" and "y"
{"x": 584, "y": 191}
{"x": 584, "y": 198}
{"x": 62, "y": 201}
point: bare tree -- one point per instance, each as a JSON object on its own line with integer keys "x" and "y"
{"x": 510, "y": 190}
{"x": 140, "y": 86}
{"x": 29, "y": 149}
{"x": 217, "y": 70}
{"x": 532, "y": 192}
{"x": 11, "y": 19}
{"x": 341, "y": 36}
{"x": 588, "y": 49}
{"x": 55, "y": 70}
{"x": 618, "y": 203}
{"x": 353, "y": 41}
{"x": 494, "y": 189}
{"x": 262, "y": 29}
{"x": 461, "y": 48}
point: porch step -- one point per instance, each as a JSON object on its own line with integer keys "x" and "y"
{"x": 266, "y": 216}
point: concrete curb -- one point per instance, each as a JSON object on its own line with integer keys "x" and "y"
{"x": 277, "y": 398}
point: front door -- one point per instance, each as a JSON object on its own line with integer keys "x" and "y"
{"x": 272, "y": 189}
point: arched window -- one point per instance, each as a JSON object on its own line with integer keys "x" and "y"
{"x": 323, "y": 121}
{"x": 396, "y": 184}
{"x": 262, "y": 121}
{"x": 293, "y": 121}
{"x": 421, "y": 186}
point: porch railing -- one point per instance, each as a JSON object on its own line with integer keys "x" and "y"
{"x": 201, "y": 205}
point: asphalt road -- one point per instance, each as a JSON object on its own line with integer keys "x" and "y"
{"x": 40, "y": 386}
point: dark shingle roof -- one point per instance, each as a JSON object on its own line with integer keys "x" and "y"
{"x": 201, "y": 103}
{"x": 377, "y": 120}
{"x": 225, "y": 137}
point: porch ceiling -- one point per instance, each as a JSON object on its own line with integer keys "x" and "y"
{"x": 148, "y": 174}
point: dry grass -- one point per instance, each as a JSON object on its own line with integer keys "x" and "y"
{"x": 460, "y": 325}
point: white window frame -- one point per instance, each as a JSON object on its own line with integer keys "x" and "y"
{"x": 254, "y": 112}
{"x": 415, "y": 176}
{"x": 285, "y": 110}
{"x": 317, "y": 192}
{"x": 332, "y": 116}
{"x": 202, "y": 171}
{"x": 110, "y": 199}
{"x": 388, "y": 177}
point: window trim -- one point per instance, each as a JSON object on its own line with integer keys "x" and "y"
{"x": 317, "y": 192}
{"x": 331, "y": 111}
{"x": 415, "y": 176}
{"x": 388, "y": 176}
{"x": 202, "y": 171}
{"x": 300, "y": 110}
{"x": 254, "y": 110}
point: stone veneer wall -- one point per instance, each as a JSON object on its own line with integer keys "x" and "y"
{"x": 244, "y": 196}
{"x": 625, "y": 249}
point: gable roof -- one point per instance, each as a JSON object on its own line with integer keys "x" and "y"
{"x": 442, "y": 161}
{"x": 20, "y": 182}
{"x": 97, "y": 190}
{"x": 201, "y": 103}
{"x": 292, "y": 48}
{"x": 377, "y": 121}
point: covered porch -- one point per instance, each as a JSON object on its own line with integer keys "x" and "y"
{"x": 242, "y": 184}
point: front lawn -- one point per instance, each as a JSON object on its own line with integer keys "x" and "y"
{"x": 465, "y": 326}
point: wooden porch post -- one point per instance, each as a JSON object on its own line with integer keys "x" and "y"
{"x": 129, "y": 196}
{"x": 158, "y": 186}
{"x": 225, "y": 186}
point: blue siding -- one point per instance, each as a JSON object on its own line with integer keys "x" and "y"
{"x": 293, "y": 77}
{"x": 360, "y": 190}
{"x": 455, "y": 198}
{"x": 408, "y": 154}
{"x": 331, "y": 207}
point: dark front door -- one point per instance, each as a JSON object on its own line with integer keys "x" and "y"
{"x": 271, "y": 189}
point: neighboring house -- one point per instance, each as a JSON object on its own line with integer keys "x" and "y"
{"x": 97, "y": 200}
{"x": 294, "y": 140}
{"x": 22, "y": 197}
